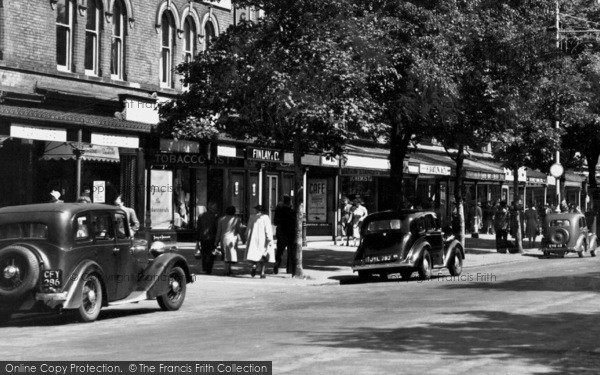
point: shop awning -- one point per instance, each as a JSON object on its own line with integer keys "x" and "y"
{"x": 90, "y": 152}
{"x": 574, "y": 180}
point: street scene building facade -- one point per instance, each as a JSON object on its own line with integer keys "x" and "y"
{"x": 80, "y": 84}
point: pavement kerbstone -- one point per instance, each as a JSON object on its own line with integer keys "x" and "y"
{"x": 326, "y": 263}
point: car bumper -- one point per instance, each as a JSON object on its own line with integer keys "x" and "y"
{"x": 559, "y": 249}
{"x": 52, "y": 300}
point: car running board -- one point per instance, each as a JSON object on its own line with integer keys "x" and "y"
{"x": 136, "y": 296}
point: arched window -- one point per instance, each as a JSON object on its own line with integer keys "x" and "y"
{"x": 117, "y": 58}
{"x": 64, "y": 34}
{"x": 166, "y": 55}
{"x": 92, "y": 37}
{"x": 209, "y": 34}
{"x": 189, "y": 48}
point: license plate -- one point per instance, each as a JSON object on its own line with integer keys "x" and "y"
{"x": 52, "y": 279}
{"x": 379, "y": 259}
{"x": 556, "y": 245}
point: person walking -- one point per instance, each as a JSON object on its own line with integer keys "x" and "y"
{"x": 532, "y": 224}
{"x": 229, "y": 230}
{"x": 259, "y": 241}
{"x": 477, "y": 220}
{"x": 358, "y": 215}
{"x": 501, "y": 227}
{"x": 132, "y": 219}
{"x": 207, "y": 233}
{"x": 285, "y": 222}
{"x": 345, "y": 217}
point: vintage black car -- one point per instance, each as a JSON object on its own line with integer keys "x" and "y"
{"x": 568, "y": 232}
{"x": 79, "y": 257}
{"x": 405, "y": 241}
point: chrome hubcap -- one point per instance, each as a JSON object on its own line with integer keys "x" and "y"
{"x": 10, "y": 272}
{"x": 91, "y": 295}
{"x": 175, "y": 286}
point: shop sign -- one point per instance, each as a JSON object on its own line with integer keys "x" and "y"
{"x": 115, "y": 140}
{"x": 161, "y": 199}
{"x": 536, "y": 180}
{"x": 366, "y": 178}
{"x": 317, "y": 200}
{"x": 99, "y": 192}
{"x": 440, "y": 170}
{"x": 484, "y": 176}
{"x": 145, "y": 111}
{"x": 171, "y": 158}
{"x": 229, "y": 151}
{"x": 330, "y": 162}
{"x": 38, "y": 133}
{"x": 171, "y": 145}
{"x": 263, "y": 154}
{"x": 509, "y": 176}
{"x": 410, "y": 168}
{"x": 354, "y": 172}
{"x": 366, "y": 162}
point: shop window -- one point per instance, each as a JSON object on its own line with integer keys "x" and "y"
{"x": 181, "y": 200}
{"x": 166, "y": 55}
{"x": 64, "y": 34}
{"x": 189, "y": 47}
{"x": 92, "y": 37}
{"x": 117, "y": 58}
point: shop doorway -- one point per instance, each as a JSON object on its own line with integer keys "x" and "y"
{"x": 273, "y": 194}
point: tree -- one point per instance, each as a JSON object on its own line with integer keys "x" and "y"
{"x": 296, "y": 80}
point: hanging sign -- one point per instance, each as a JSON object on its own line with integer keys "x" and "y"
{"x": 317, "y": 200}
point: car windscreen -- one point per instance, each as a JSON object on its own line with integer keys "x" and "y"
{"x": 385, "y": 225}
{"x": 560, "y": 223}
{"x": 23, "y": 230}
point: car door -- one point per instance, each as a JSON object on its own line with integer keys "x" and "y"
{"x": 123, "y": 255}
{"x": 435, "y": 239}
{"x": 102, "y": 233}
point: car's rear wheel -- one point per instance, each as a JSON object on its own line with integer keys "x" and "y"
{"x": 19, "y": 269}
{"x": 424, "y": 268}
{"x": 456, "y": 264}
{"x": 173, "y": 299}
{"x": 91, "y": 299}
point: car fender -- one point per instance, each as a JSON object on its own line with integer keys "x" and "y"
{"x": 450, "y": 249}
{"x": 73, "y": 284}
{"x": 416, "y": 252}
{"x": 155, "y": 280}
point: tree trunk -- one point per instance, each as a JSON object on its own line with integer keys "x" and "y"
{"x": 458, "y": 197}
{"x": 299, "y": 206}
{"x": 518, "y": 232}
{"x": 398, "y": 150}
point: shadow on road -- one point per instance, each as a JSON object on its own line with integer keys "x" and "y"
{"x": 541, "y": 340}
{"x": 586, "y": 282}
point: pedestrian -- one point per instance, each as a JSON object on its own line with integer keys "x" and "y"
{"x": 532, "y": 224}
{"x": 477, "y": 220}
{"x": 259, "y": 241}
{"x": 358, "y": 215}
{"x": 207, "y": 234}
{"x": 132, "y": 219}
{"x": 501, "y": 227}
{"x": 55, "y": 197}
{"x": 285, "y": 222}
{"x": 229, "y": 230}
{"x": 345, "y": 217}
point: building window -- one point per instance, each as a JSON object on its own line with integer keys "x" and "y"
{"x": 209, "y": 34}
{"x": 166, "y": 55}
{"x": 189, "y": 48}
{"x": 92, "y": 38}
{"x": 117, "y": 57}
{"x": 64, "y": 34}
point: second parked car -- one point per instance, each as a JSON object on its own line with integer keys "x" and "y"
{"x": 403, "y": 242}
{"x": 568, "y": 232}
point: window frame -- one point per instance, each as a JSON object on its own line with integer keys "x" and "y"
{"x": 69, "y": 5}
{"x": 95, "y": 71}
{"x": 166, "y": 72}
{"x": 189, "y": 37}
{"x": 119, "y": 16}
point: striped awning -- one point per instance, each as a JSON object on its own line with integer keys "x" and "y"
{"x": 89, "y": 152}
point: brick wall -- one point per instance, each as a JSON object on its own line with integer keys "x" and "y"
{"x": 29, "y": 43}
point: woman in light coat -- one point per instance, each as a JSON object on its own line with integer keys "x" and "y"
{"x": 259, "y": 241}
{"x": 229, "y": 229}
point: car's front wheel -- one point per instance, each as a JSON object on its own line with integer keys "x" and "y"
{"x": 91, "y": 299}
{"x": 455, "y": 265}
{"x": 173, "y": 299}
{"x": 425, "y": 266}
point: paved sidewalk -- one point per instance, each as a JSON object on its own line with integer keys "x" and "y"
{"x": 327, "y": 264}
